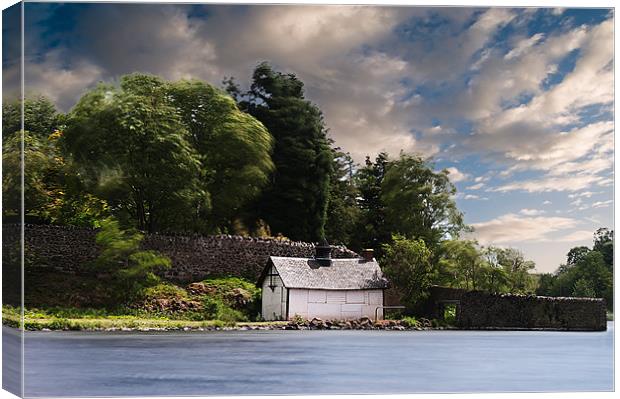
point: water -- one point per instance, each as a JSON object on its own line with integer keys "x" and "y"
{"x": 316, "y": 362}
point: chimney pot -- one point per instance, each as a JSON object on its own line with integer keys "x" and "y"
{"x": 368, "y": 255}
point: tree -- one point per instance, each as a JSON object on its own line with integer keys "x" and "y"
{"x": 418, "y": 201}
{"x": 604, "y": 243}
{"x": 371, "y": 231}
{"x": 295, "y": 202}
{"x": 576, "y": 254}
{"x": 587, "y": 272}
{"x": 40, "y": 117}
{"x": 406, "y": 263}
{"x": 518, "y": 269}
{"x": 342, "y": 211}
{"x": 462, "y": 263}
{"x": 39, "y": 158}
{"x": 53, "y": 187}
{"x": 134, "y": 147}
{"x": 233, "y": 147}
{"x": 126, "y": 269}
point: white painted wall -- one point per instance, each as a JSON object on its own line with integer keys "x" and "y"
{"x": 273, "y": 301}
{"x": 334, "y": 304}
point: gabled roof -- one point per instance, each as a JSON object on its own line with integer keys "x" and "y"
{"x": 342, "y": 274}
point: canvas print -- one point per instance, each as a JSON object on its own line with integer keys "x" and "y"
{"x": 247, "y": 199}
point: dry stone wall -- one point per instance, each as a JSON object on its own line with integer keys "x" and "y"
{"x": 480, "y": 310}
{"x": 69, "y": 249}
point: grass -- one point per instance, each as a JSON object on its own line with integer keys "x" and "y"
{"x": 80, "y": 319}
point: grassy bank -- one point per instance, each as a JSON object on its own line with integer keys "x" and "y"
{"x": 97, "y": 320}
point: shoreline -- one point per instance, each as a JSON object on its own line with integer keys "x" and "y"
{"x": 153, "y": 325}
{"x": 213, "y": 326}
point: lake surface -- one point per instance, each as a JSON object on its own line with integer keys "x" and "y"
{"x": 315, "y": 362}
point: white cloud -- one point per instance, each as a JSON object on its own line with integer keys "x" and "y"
{"x": 547, "y": 202}
{"x": 549, "y": 184}
{"x": 531, "y": 212}
{"x": 512, "y": 228}
{"x": 579, "y": 235}
{"x": 456, "y": 175}
{"x": 476, "y": 186}
{"x": 602, "y": 204}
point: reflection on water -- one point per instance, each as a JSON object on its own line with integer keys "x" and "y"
{"x": 316, "y": 362}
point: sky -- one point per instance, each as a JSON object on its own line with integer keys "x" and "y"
{"x": 517, "y": 103}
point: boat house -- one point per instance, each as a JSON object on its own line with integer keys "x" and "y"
{"x": 336, "y": 289}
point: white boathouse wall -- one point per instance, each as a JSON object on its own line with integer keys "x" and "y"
{"x": 334, "y": 304}
{"x": 273, "y": 300}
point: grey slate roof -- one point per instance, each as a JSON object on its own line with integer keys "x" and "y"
{"x": 343, "y": 274}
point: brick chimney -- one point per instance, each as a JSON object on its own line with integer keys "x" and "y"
{"x": 368, "y": 255}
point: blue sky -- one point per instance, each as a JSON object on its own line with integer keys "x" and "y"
{"x": 516, "y": 103}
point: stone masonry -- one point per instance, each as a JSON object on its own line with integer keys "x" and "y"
{"x": 194, "y": 257}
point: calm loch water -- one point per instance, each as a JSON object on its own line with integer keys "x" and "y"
{"x": 316, "y": 362}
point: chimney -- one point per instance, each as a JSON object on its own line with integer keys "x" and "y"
{"x": 368, "y": 255}
{"x": 323, "y": 253}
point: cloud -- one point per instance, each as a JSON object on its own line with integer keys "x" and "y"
{"x": 602, "y": 204}
{"x": 531, "y": 212}
{"x": 476, "y": 186}
{"x": 456, "y": 175}
{"x": 547, "y": 202}
{"x": 512, "y": 228}
{"x": 579, "y": 235}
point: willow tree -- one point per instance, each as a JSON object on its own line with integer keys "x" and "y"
{"x": 168, "y": 155}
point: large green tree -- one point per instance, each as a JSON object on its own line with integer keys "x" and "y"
{"x": 132, "y": 143}
{"x": 234, "y": 148}
{"x": 419, "y": 201}
{"x": 169, "y": 155}
{"x": 342, "y": 212}
{"x": 295, "y": 201}
{"x": 372, "y": 231}
{"x": 407, "y": 263}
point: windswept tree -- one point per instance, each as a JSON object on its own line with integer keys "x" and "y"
{"x": 295, "y": 201}
{"x": 133, "y": 145}
{"x": 418, "y": 202}
{"x": 168, "y": 155}
{"x": 234, "y": 148}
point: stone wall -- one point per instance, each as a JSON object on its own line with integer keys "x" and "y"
{"x": 70, "y": 249}
{"x": 479, "y": 310}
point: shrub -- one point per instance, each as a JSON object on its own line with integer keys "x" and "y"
{"x": 410, "y": 322}
{"x": 128, "y": 269}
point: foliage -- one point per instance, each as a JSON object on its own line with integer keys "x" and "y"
{"x": 588, "y": 272}
{"x": 406, "y": 263}
{"x": 604, "y": 243}
{"x": 133, "y": 146}
{"x": 418, "y": 201}
{"x": 371, "y": 230}
{"x": 233, "y": 147}
{"x": 128, "y": 269}
{"x": 295, "y": 202}
{"x": 410, "y": 321}
{"x": 462, "y": 265}
{"x": 39, "y": 156}
{"x": 342, "y": 211}
{"x": 40, "y": 117}
{"x": 236, "y": 294}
